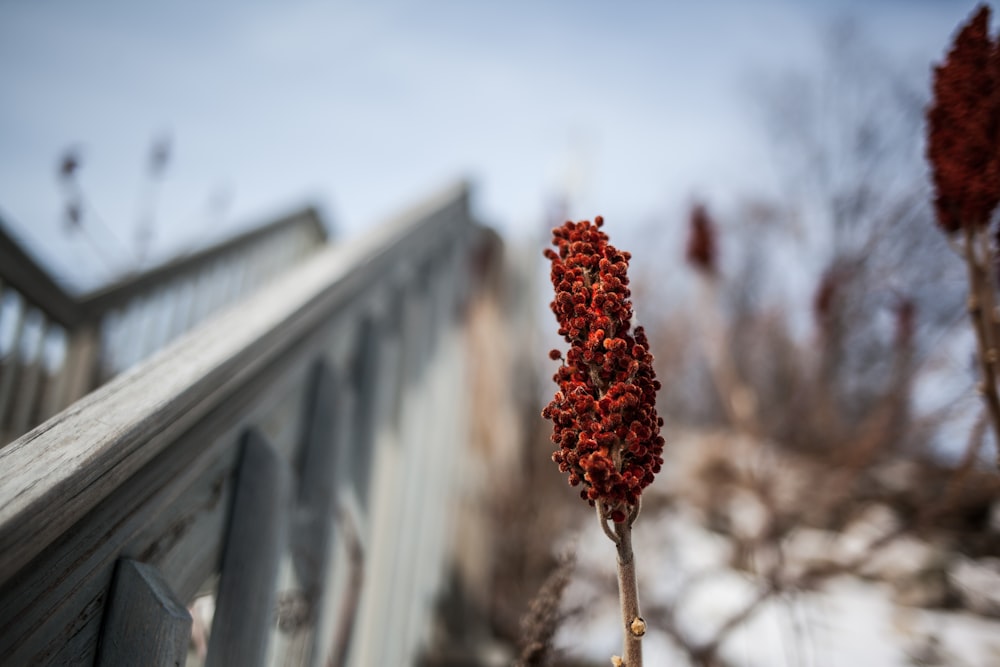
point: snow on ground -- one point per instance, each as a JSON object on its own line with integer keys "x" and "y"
{"x": 848, "y": 621}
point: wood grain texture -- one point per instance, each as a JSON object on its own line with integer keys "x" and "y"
{"x": 418, "y": 322}
{"x": 144, "y": 467}
{"x": 255, "y": 540}
{"x": 171, "y": 514}
{"x": 25, "y": 275}
{"x": 145, "y": 623}
{"x": 139, "y": 298}
{"x": 10, "y": 369}
{"x": 26, "y": 398}
{"x": 95, "y": 304}
{"x": 312, "y": 536}
{"x": 82, "y": 455}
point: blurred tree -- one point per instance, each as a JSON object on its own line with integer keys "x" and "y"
{"x": 855, "y": 227}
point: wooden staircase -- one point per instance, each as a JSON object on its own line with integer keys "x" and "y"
{"x": 292, "y": 456}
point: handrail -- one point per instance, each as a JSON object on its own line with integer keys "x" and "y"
{"x": 23, "y": 273}
{"x": 92, "y": 337}
{"x": 315, "y": 423}
{"x": 95, "y": 304}
{"x": 81, "y": 454}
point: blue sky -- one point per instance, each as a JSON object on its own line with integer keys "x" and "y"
{"x": 361, "y": 108}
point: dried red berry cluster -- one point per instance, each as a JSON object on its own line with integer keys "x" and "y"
{"x": 964, "y": 128}
{"x": 604, "y": 413}
{"x": 701, "y": 252}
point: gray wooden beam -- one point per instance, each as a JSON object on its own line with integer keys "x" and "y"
{"x": 11, "y": 367}
{"x": 316, "y": 473}
{"x": 117, "y": 462}
{"x": 28, "y": 277}
{"x": 245, "y": 608}
{"x": 84, "y": 452}
{"x": 26, "y": 402}
{"x": 173, "y": 514}
{"x": 313, "y": 536}
{"x": 95, "y": 304}
{"x": 144, "y": 623}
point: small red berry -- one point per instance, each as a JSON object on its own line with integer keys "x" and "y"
{"x": 604, "y": 414}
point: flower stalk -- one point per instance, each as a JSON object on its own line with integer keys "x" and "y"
{"x": 604, "y": 414}
{"x": 963, "y": 148}
{"x": 983, "y": 313}
{"x": 634, "y": 627}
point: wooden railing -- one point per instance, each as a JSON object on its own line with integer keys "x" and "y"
{"x": 292, "y": 457}
{"x": 55, "y": 347}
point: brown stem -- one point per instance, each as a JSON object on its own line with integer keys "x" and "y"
{"x": 628, "y": 594}
{"x": 982, "y": 322}
{"x": 602, "y": 516}
{"x": 990, "y": 321}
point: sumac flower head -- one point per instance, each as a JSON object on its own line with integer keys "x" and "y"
{"x": 828, "y": 295}
{"x": 604, "y": 414}
{"x": 963, "y": 122}
{"x": 701, "y": 252}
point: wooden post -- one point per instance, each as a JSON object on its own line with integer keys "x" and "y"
{"x": 369, "y": 363}
{"x": 11, "y": 367}
{"x": 125, "y": 454}
{"x": 80, "y": 367}
{"x": 439, "y": 448}
{"x": 313, "y": 528}
{"x": 26, "y": 401}
{"x": 55, "y": 378}
{"x": 245, "y": 609}
{"x": 144, "y": 623}
{"x": 319, "y": 455}
{"x": 381, "y": 346}
{"x": 419, "y": 420}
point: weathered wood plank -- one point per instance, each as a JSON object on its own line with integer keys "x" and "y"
{"x": 405, "y": 520}
{"x": 385, "y": 493}
{"x": 316, "y": 468}
{"x": 343, "y": 574}
{"x": 441, "y": 448}
{"x": 245, "y": 607}
{"x": 119, "y": 294}
{"x": 83, "y": 454}
{"x": 364, "y": 375}
{"x": 27, "y": 399}
{"x": 282, "y": 425}
{"x": 427, "y": 512}
{"x": 80, "y": 366}
{"x": 171, "y": 514}
{"x": 312, "y": 528}
{"x": 11, "y": 365}
{"x": 145, "y": 624}
{"x": 26, "y": 276}
{"x": 50, "y": 610}
{"x": 341, "y": 613}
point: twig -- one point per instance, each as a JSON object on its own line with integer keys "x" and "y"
{"x": 539, "y": 625}
{"x": 982, "y": 316}
{"x": 628, "y": 593}
{"x": 602, "y": 516}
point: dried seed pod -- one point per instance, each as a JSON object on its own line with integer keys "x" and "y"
{"x": 604, "y": 414}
